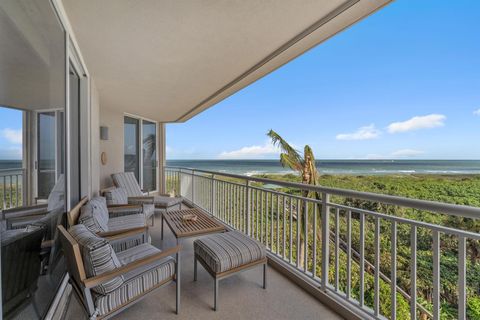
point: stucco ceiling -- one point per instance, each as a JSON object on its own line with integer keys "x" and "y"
{"x": 169, "y": 60}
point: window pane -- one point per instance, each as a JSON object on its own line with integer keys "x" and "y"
{"x": 149, "y": 155}
{"x": 46, "y": 153}
{"x": 131, "y": 148}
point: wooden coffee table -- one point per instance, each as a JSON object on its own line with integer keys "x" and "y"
{"x": 204, "y": 224}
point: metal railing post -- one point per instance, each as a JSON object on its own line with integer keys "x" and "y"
{"x": 179, "y": 182}
{"x": 248, "y": 207}
{"x": 193, "y": 186}
{"x": 325, "y": 239}
{"x": 213, "y": 195}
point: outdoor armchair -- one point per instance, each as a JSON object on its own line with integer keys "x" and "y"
{"x": 95, "y": 215}
{"x": 20, "y": 250}
{"x": 106, "y": 280}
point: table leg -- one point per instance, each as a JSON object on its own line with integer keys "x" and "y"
{"x": 265, "y": 276}
{"x": 194, "y": 268}
{"x": 162, "y": 226}
{"x": 215, "y": 295}
{"x": 178, "y": 280}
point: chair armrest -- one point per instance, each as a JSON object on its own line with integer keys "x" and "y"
{"x": 23, "y": 221}
{"x": 124, "y": 234}
{"x": 114, "y": 206}
{"x": 104, "y": 277}
{"x": 107, "y": 234}
{"x": 125, "y": 208}
{"x": 25, "y": 211}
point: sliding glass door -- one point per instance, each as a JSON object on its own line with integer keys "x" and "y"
{"x": 143, "y": 163}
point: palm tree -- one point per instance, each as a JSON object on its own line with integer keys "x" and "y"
{"x": 305, "y": 166}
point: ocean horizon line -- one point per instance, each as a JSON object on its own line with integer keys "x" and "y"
{"x": 349, "y": 159}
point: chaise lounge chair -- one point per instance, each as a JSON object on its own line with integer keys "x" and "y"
{"x": 130, "y": 186}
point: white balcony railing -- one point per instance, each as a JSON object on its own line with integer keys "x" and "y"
{"x": 350, "y": 264}
{"x": 12, "y": 191}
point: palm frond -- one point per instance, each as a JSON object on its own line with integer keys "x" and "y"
{"x": 290, "y": 162}
{"x": 285, "y": 147}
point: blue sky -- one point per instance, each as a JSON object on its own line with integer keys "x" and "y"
{"x": 10, "y": 134}
{"x": 403, "y": 83}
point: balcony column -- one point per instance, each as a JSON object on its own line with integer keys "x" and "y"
{"x": 29, "y": 180}
{"x": 162, "y": 158}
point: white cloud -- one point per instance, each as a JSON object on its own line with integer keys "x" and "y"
{"x": 477, "y": 112}
{"x": 406, "y": 153}
{"x": 363, "y": 133}
{"x": 251, "y": 152}
{"x": 12, "y": 135}
{"x": 418, "y": 122}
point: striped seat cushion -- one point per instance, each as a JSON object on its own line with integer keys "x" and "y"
{"x": 125, "y": 243}
{"x": 161, "y": 202}
{"x": 116, "y": 196}
{"x": 127, "y": 181}
{"x": 94, "y": 215}
{"x": 98, "y": 257}
{"x": 137, "y": 281}
{"x": 226, "y": 251}
{"x": 127, "y": 222}
{"x": 165, "y": 202}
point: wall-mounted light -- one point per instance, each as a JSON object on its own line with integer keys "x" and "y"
{"x": 103, "y": 133}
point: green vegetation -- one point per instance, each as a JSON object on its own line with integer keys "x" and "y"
{"x": 9, "y": 196}
{"x": 273, "y": 224}
{"x": 464, "y": 190}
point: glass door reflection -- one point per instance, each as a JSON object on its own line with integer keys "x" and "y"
{"x": 149, "y": 136}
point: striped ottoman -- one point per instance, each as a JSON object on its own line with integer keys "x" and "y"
{"x": 225, "y": 254}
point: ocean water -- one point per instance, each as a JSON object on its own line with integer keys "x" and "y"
{"x": 346, "y": 167}
{"x": 349, "y": 167}
{"x": 10, "y": 164}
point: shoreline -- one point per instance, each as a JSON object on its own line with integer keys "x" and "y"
{"x": 359, "y": 175}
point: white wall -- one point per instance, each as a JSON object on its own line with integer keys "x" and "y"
{"x": 113, "y": 147}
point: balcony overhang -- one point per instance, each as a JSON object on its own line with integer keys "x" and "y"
{"x": 170, "y": 60}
